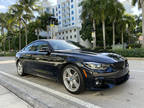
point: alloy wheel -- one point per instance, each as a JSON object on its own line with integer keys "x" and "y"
{"x": 71, "y": 79}
{"x": 20, "y": 68}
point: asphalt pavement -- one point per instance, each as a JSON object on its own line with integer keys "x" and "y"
{"x": 127, "y": 95}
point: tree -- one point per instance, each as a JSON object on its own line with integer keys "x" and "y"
{"x": 17, "y": 11}
{"x": 140, "y": 5}
{"x": 117, "y": 10}
{"x": 122, "y": 26}
{"x": 28, "y": 7}
{"x": 23, "y": 12}
{"x": 90, "y": 11}
{"x": 38, "y": 27}
{"x": 26, "y": 19}
{"x": 10, "y": 27}
{"x": 105, "y": 8}
{"x": 127, "y": 24}
{"x": 131, "y": 26}
{"x": 3, "y": 26}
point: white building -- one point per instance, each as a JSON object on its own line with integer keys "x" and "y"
{"x": 68, "y": 14}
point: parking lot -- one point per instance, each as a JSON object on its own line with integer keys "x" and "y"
{"x": 127, "y": 95}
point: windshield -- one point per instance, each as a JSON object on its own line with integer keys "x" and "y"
{"x": 62, "y": 45}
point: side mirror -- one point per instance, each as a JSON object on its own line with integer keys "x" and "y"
{"x": 45, "y": 49}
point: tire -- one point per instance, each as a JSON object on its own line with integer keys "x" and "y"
{"x": 20, "y": 69}
{"x": 73, "y": 79}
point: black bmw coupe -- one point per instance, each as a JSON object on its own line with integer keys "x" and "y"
{"x": 77, "y": 69}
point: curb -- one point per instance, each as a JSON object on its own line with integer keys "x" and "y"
{"x": 32, "y": 101}
{"x": 134, "y": 58}
{"x": 53, "y": 99}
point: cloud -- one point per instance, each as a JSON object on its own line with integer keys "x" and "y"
{"x": 4, "y": 4}
{"x": 2, "y": 7}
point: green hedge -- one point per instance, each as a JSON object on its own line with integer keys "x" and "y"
{"x": 136, "y": 45}
{"x": 7, "y": 53}
{"x": 139, "y": 52}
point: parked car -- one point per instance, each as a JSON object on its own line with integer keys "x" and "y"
{"x": 77, "y": 69}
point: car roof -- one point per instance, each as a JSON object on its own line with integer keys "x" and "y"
{"x": 48, "y": 40}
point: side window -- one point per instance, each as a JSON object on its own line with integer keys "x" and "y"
{"x": 36, "y": 46}
{"x": 32, "y": 47}
{"x": 27, "y": 48}
{"x": 42, "y": 45}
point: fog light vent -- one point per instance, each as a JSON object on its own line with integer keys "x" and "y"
{"x": 98, "y": 82}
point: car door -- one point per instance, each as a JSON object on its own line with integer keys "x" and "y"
{"x": 27, "y": 58}
{"x": 44, "y": 63}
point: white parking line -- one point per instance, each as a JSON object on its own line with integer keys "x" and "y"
{"x": 8, "y": 61}
{"x": 57, "y": 93}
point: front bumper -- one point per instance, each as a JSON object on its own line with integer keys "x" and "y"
{"x": 108, "y": 80}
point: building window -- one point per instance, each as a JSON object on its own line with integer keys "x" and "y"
{"x": 59, "y": 33}
{"x": 72, "y": 12}
{"x": 53, "y": 11}
{"x": 70, "y": 30}
{"x": 59, "y": 12}
{"x": 72, "y": 18}
{"x": 59, "y": 22}
{"x": 66, "y": 31}
{"x": 70, "y": 37}
{"x": 72, "y": 6}
{"x": 75, "y": 36}
{"x": 71, "y": 0}
{"x": 58, "y": 6}
{"x": 67, "y": 37}
{"x": 63, "y": 32}
{"x": 47, "y": 9}
{"x": 80, "y": 10}
{"x": 72, "y": 23}
{"x": 63, "y": 38}
{"x": 59, "y": 17}
{"x": 75, "y": 30}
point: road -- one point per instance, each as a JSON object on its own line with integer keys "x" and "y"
{"x": 127, "y": 95}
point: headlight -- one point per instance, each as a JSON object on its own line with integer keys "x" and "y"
{"x": 96, "y": 66}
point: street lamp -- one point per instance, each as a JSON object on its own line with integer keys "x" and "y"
{"x": 51, "y": 27}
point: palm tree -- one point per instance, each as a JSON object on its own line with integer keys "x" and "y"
{"x": 131, "y": 25}
{"x": 117, "y": 10}
{"x": 127, "y": 24}
{"x": 23, "y": 12}
{"x": 122, "y": 22}
{"x": 9, "y": 26}
{"x": 3, "y": 26}
{"x": 104, "y": 8}
{"x": 17, "y": 11}
{"x": 140, "y": 5}
{"x": 90, "y": 10}
{"x": 28, "y": 7}
{"x": 26, "y": 19}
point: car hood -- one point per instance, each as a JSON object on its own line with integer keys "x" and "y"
{"x": 86, "y": 56}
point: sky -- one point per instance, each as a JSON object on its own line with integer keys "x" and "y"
{"x": 4, "y": 4}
